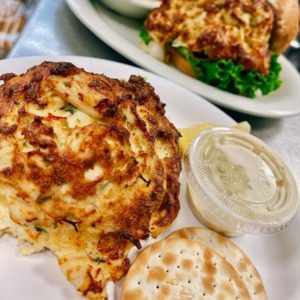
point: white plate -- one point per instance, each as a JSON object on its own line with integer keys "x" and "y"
{"x": 121, "y": 34}
{"x": 36, "y": 277}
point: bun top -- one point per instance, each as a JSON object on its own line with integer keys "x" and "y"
{"x": 286, "y": 23}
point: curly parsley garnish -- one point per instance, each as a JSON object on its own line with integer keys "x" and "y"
{"x": 227, "y": 75}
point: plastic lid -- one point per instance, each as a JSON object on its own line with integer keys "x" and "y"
{"x": 244, "y": 181}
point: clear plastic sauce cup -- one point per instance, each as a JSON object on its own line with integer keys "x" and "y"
{"x": 237, "y": 184}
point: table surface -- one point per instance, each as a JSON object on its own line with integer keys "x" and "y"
{"x": 54, "y": 30}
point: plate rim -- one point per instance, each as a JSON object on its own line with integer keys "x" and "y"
{"x": 212, "y": 94}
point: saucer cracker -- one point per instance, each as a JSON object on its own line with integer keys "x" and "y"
{"x": 232, "y": 253}
{"x": 182, "y": 269}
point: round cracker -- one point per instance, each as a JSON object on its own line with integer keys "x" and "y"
{"x": 182, "y": 269}
{"x": 232, "y": 253}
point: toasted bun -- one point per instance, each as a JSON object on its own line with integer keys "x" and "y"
{"x": 183, "y": 269}
{"x": 180, "y": 62}
{"x": 286, "y": 23}
{"x": 232, "y": 253}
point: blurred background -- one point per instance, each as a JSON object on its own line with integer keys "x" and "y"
{"x": 14, "y": 14}
{"x": 13, "y": 17}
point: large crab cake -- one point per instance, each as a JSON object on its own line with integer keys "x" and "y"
{"x": 89, "y": 166}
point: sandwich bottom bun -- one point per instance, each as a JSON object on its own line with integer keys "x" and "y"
{"x": 180, "y": 62}
{"x": 286, "y": 24}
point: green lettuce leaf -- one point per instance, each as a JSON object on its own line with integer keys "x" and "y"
{"x": 145, "y": 36}
{"x": 227, "y": 75}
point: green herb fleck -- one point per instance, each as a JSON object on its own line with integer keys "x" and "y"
{"x": 42, "y": 198}
{"x": 227, "y": 75}
{"x": 145, "y": 36}
{"x": 70, "y": 108}
{"x": 99, "y": 260}
{"x": 40, "y": 229}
